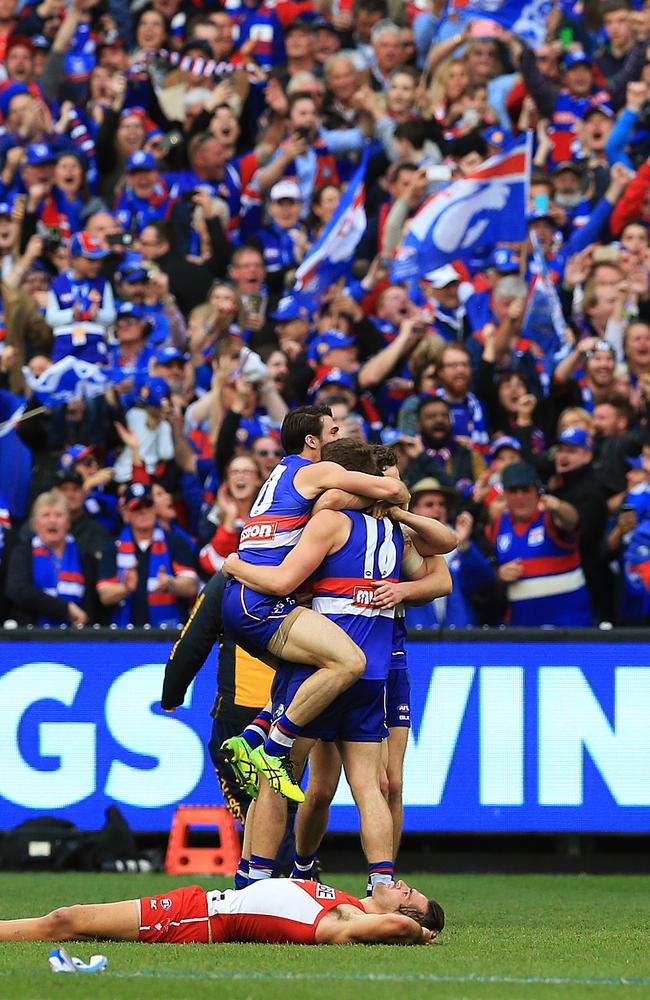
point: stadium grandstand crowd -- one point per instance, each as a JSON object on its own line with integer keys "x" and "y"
{"x": 165, "y": 169}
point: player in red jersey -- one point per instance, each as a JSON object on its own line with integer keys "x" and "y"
{"x": 275, "y": 911}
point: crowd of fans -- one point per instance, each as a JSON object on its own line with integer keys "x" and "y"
{"x": 165, "y": 167}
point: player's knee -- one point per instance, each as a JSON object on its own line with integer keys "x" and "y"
{"x": 60, "y": 923}
{"x": 320, "y": 795}
{"x": 394, "y": 787}
{"x": 384, "y": 785}
{"x": 357, "y": 663}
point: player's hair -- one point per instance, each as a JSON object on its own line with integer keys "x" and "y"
{"x": 433, "y": 918}
{"x": 299, "y": 423}
{"x": 355, "y": 456}
{"x": 384, "y": 457}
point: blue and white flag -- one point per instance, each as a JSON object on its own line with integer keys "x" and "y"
{"x": 525, "y": 18}
{"x": 486, "y": 207}
{"x": 544, "y": 321}
{"x": 66, "y": 380}
{"x": 9, "y": 425}
{"x": 331, "y": 255}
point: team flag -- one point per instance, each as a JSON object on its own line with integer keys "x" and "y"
{"x": 331, "y": 255}
{"x": 66, "y": 380}
{"x": 525, "y": 18}
{"x": 544, "y": 321}
{"x": 486, "y": 207}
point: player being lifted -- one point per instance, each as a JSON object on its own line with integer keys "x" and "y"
{"x": 267, "y": 625}
{"x": 350, "y": 555}
{"x": 282, "y": 911}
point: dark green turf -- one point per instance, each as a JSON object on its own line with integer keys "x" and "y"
{"x": 587, "y": 928}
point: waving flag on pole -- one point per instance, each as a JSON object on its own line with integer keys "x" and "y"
{"x": 66, "y": 380}
{"x": 486, "y": 207}
{"x": 7, "y": 426}
{"x": 525, "y": 18}
{"x": 544, "y": 321}
{"x": 331, "y": 255}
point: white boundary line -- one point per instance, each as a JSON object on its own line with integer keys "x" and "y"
{"x": 373, "y": 978}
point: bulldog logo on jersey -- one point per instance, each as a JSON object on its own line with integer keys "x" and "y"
{"x": 362, "y": 597}
{"x": 536, "y": 535}
{"x": 504, "y": 542}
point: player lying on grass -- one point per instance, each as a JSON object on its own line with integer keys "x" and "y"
{"x": 274, "y": 912}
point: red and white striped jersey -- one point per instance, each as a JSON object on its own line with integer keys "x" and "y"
{"x": 273, "y": 911}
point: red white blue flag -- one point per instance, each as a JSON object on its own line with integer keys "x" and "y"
{"x": 331, "y": 255}
{"x": 486, "y": 207}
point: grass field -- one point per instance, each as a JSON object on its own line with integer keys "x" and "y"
{"x": 508, "y": 937}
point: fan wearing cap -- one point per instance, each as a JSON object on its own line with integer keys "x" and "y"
{"x": 334, "y": 349}
{"x": 576, "y": 482}
{"x": 152, "y": 430}
{"x": 333, "y": 383}
{"x": 470, "y": 571}
{"x": 580, "y": 90}
{"x": 443, "y": 306}
{"x": 148, "y": 575}
{"x": 569, "y": 190}
{"x": 538, "y": 556}
{"x": 131, "y": 354}
{"x": 90, "y": 535}
{"x": 97, "y": 482}
{"x": 502, "y": 262}
{"x": 171, "y": 366}
{"x": 283, "y": 241}
{"x": 148, "y": 287}
{"x": 80, "y": 305}
{"x": 488, "y": 490}
{"x": 145, "y": 198}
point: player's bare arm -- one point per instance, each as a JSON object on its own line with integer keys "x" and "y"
{"x": 433, "y": 579}
{"x": 431, "y": 537}
{"x": 341, "y": 500}
{"x": 324, "y": 533}
{"x": 347, "y": 925}
{"x": 320, "y": 476}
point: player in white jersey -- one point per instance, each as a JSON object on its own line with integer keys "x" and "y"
{"x": 281, "y": 911}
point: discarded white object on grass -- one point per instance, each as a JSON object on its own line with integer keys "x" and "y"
{"x": 61, "y": 961}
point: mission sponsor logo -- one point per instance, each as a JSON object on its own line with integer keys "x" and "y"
{"x": 263, "y": 531}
